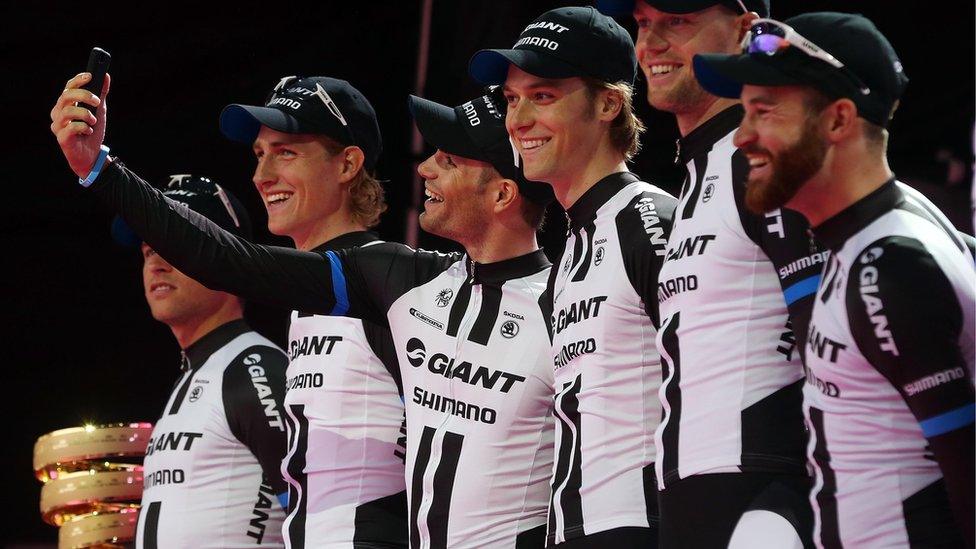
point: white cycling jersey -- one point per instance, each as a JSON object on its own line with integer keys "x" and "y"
{"x": 211, "y": 471}
{"x": 890, "y": 359}
{"x": 607, "y": 368}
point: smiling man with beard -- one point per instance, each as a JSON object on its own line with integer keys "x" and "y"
{"x": 889, "y": 396}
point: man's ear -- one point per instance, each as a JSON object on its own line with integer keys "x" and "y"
{"x": 841, "y": 120}
{"x": 610, "y": 104}
{"x": 504, "y": 194}
{"x": 352, "y": 162}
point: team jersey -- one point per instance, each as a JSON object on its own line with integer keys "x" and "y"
{"x": 344, "y": 413}
{"x": 211, "y": 471}
{"x": 607, "y": 369}
{"x": 733, "y": 288}
{"x": 890, "y": 375}
{"x": 472, "y": 342}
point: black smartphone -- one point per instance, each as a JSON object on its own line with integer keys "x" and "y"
{"x": 98, "y": 62}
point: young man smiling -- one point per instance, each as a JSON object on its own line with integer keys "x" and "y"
{"x": 567, "y": 84}
{"x": 736, "y": 292}
{"x": 889, "y": 397}
{"x": 317, "y": 141}
{"x": 471, "y": 330}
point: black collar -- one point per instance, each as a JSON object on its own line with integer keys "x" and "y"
{"x": 508, "y": 269}
{"x": 836, "y": 230}
{"x": 348, "y": 240}
{"x": 197, "y": 354}
{"x": 584, "y": 210}
{"x": 702, "y": 138}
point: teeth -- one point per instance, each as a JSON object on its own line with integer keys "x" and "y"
{"x": 533, "y": 143}
{"x": 662, "y": 69}
{"x": 278, "y": 197}
{"x": 162, "y": 287}
{"x": 433, "y": 197}
{"x": 757, "y": 162}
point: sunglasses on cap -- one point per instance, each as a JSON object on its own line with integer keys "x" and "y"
{"x": 770, "y": 37}
{"x": 320, "y": 92}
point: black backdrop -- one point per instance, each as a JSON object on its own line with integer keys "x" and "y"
{"x": 80, "y": 345}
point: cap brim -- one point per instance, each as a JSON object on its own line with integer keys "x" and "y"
{"x": 440, "y": 128}
{"x": 491, "y": 66}
{"x": 243, "y": 122}
{"x": 723, "y": 75}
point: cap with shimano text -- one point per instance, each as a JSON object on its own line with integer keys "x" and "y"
{"x": 313, "y": 105}
{"x": 563, "y": 43}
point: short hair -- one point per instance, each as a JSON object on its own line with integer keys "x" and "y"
{"x": 533, "y": 213}
{"x": 368, "y": 200}
{"x": 626, "y": 128}
{"x": 876, "y": 136}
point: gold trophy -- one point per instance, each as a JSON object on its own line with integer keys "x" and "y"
{"x": 91, "y": 490}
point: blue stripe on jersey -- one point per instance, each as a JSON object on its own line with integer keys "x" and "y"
{"x": 283, "y": 500}
{"x": 801, "y": 289}
{"x": 338, "y": 285}
{"x": 949, "y": 421}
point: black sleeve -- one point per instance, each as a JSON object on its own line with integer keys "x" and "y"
{"x": 643, "y": 228}
{"x": 253, "y": 395}
{"x": 360, "y": 282}
{"x": 907, "y": 320}
{"x": 280, "y": 277}
{"x": 784, "y": 236}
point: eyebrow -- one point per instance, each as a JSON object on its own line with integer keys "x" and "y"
{"x": 543, "y": 83}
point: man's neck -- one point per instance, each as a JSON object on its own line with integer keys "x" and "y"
{"x": 498, "y": 243}
{"x": 842, "y": 182}
{"x": 188, "y": 333}
{"x": 324, "y": 232}
{"x": 572, "y": 186}
{"x": 689, "y": 121}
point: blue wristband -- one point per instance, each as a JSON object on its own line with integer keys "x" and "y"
{"x": 96, "y": 169}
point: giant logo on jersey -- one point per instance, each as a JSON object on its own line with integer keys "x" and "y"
{"x": 689, "y": 247}
{"x": 260, "y": 382}
{"x": 652, "y": 224}
{"x": 441, "y": 364}
{"x": 314, "y": 345}
{"x": 578, "y": 311}
{"x": 868, "y": 281}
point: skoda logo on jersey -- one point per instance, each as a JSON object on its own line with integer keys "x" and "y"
{"x": 509, "y": 329}
{"x": 870, "y": 255}
{"x": 598, "y": 256}
{"x": 709, "y": 191}
{"x": 195, "y": 393}
{"x": 416, "y": 352}
{"x": 444, "y": 297}
{"x": 568, "y": 263}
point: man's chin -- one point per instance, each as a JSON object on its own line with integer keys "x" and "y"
{"x": 762, "y": 196}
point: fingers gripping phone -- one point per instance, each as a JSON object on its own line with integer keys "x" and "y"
{"x": 98, "y": 62}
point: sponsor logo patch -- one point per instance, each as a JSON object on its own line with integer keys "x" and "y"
{"x": 444, "y": 297}
{"x": 509, "y": 329}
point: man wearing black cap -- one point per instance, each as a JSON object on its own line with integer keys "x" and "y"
{"x": 733, "y": 420}
{"x": 212, "y": 468}
{"x": 567, "y": 83}
{"x": 317, "y": 142}
{"x": 891, "y": 342}
{"x": 471, "y": 327}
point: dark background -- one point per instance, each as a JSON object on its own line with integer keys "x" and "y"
{"x": 80, "y": 344}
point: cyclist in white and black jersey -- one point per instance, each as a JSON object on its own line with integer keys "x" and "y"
{"x": 212, "y": 473}
{"x": 735, "y": 288}
{"x": 889, "y": 395}
{"x": 472, "y": 328}
{"x": 345, "y": 460}
{"x": 571, "y": 120}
